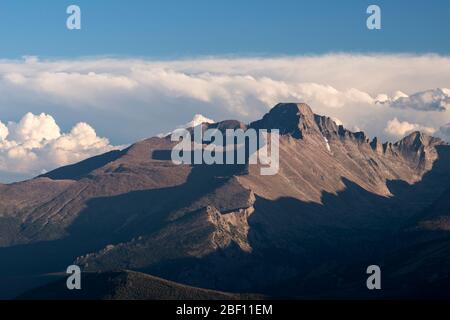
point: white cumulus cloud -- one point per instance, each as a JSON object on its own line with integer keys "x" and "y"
{"x": 399, "y": 129}
{"x": 3, "y": 131}
{"x": 35, "y": 144}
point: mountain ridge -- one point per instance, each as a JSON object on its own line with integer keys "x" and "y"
{"x": 127, "y": 285}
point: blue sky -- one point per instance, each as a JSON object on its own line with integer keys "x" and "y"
{"x": 169, "y": 28}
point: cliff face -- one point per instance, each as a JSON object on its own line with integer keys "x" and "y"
{"x": 337, "y": 197}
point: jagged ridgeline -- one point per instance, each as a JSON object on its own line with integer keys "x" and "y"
{"x": 339, "y": 203}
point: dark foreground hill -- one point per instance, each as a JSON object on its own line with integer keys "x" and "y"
{"x": 126, "y": 285}
{"x": 339, "y": 203}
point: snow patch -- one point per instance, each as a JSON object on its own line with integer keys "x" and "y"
{"x": 327, "y": 144}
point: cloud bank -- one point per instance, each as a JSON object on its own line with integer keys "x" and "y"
{"x": 131, "y": 99}
{"x": 429, "y": 100}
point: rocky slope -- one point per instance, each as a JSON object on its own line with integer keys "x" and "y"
{"x": 339, "y": 199}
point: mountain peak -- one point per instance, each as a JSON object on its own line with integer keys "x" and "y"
{"x": 419, "y": 147}
{"x": 197, "y": 120}
{"x": 417, "y": 140}
{"x": 295, "y": 109}
{"x": 289, "y": 118}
